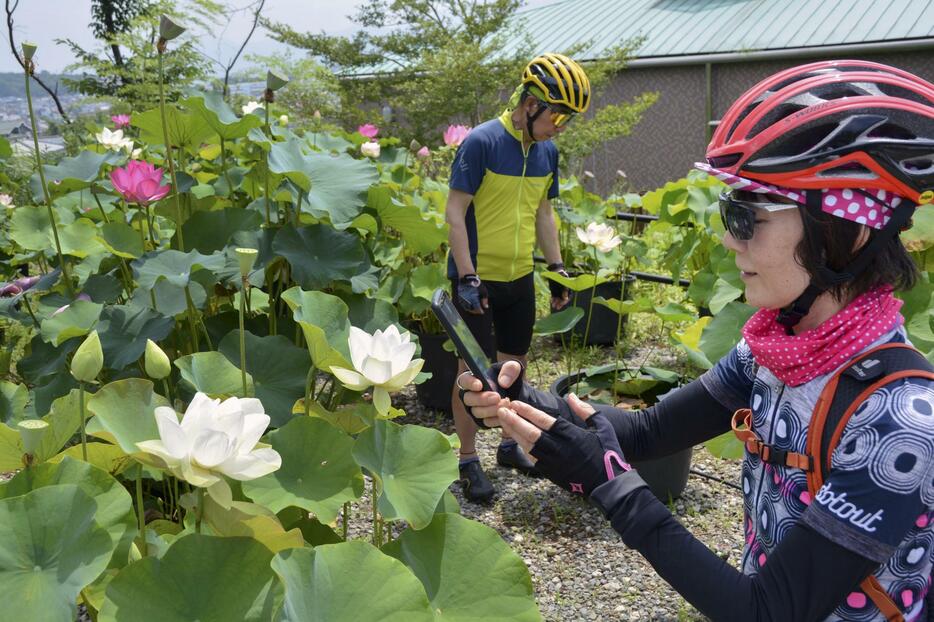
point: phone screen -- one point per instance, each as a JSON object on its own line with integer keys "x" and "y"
{"x": 467, "y": 346}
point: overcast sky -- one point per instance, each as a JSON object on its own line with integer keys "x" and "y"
{"x": 43, "y": 21}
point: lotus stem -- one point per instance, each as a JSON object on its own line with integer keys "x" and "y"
{"x": 243, "y": 290}
{"x": 45, "y": 189}
{"x": 346, "y": 520}
{"x": 375, "y": 511}
{"x": 619, "y": 325}
{"x": 593, "y": 293}
{"x": 141, "y": 513}
{"x": 309, "y": 386}
{"x": 199, "y": 511}
{"x": 168, "y": 149}
{"x": 29, "y": 310}
{"x": 230, "y": 189}
{"x": 191, "y": 320}
{"x": 266, "y": 166}
{"x": 84, "y": 437}
{"x": 165, "y": 387}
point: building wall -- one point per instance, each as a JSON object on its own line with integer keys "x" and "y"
{"x": 671, "y": 135}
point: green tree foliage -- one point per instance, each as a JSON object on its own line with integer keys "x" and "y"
{"x": 123, "y": 66}
{"x": 437, "y": 61}
{"x": 312, "y": 87}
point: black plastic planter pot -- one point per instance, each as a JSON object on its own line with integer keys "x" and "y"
{"x": 603, "y": 324}
{"x": 435, "y": 393}
{"x": 666, "y": 476}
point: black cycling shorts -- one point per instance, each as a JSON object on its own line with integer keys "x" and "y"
{"x": 506, "y": 326}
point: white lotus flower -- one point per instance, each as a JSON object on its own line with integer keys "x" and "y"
{"x": 599, "y": 235}
{"x": 251, "y": 106}
{"x": 283, "y": 119}
{"x": 382, "y": 360}
{"x": 115, "y": 140}
{"x": 370, "y": 149}
{"x": 6, "y": 200}
{"x": 214, "y": 439}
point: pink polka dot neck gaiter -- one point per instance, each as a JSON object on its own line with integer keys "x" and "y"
{"x": 797, "y": 359}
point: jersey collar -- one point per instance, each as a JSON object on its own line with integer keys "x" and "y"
{"x": 506, "y": 120}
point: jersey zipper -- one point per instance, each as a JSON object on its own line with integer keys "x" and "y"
{"x": 515, "y": 255}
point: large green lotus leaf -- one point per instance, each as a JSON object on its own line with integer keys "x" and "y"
{"x": 318, "y": 472}
{"x": 74, "y": 173}
{"x": 921, "y": 234}
{"x": 370, "y": 314}
{"x": 251, "y": 521}
{"x": 325, "y": 324}
{"x": 13, "y": 398}
{"x": 462, "y": 585}
{"x": 278, "y": 368}
{"x": 186, "y": 130}
{"x": 170, "y": 299}
{"x": 103, "y": 288}
{"x": 207, "y": 232}
{"x": 288, "y": 158}
{"x": 173, "y": 266}
{"x": 726, "y": 446}
{"x": 424, "y": 280}
{"x": 314, "y": 532}
{"x": 319, "y": 254}
{"x": 642, "y": 303}
{"x": 577, "y": 283}
{"x": 723, "y": 294}
{"x": 64, "y": 419}
{"x": 76, "y": 321}
{"x": 31, "y": 229}
{"x": 421, "y": 234}
{"x": 723, "y": 332}
{"x": 124, "y": 329}
{"x": 327, "y": 142}
{"x": 121, "y": 239}
{"x": 560, "y": 322}
{"x": 349, "y": 582}
{"x": 219, "y": 116}
{"x": 212, "y": 373}
{"x": 672, "y": 312}
{"x": 124, "y": 413}
{"x": 104, "y": 456}
{"x": 352, "y": 418}
{"x": 114, "y": 505}
{"x": 204, "y": 578}
{"x": 50, "y": 549}
{"x": 11, "y": 449}
{"x": 338, "y": 187}
{"x": 414, "y": 466}
{"x": 44, "y": 359}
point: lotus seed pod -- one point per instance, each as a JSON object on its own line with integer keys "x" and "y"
{"x": 168, "y": 29}
{"x": 88, "y": 359}
{"x": 246, "y": 257}
{"x": 275, "y": 81}
{"x": 31, "y": 431}
{"x": 156, "y": 361}
{"x": 414, "y": 146}
{"x": 29, "y": 50}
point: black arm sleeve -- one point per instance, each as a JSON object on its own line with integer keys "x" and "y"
{"x": 805, "y": 578}
{"x": 685, "y": 418}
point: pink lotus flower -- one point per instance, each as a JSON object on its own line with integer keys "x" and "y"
{"x": 455, "y": 135}
{"x": 423, "y": 153}
{"x": 368, "y": 130}
{"x": 140, "y": 182}
{"x": 19, "y": 285}
{"x": 121, "y": 120}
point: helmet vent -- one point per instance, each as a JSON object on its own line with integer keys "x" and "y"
{"x": 850, "y": 169}
{"x": 890, "y": 130}
{"x": 917, "y": 166}
{"x": 783, "y": 110}
{"x": 724, "y": 161}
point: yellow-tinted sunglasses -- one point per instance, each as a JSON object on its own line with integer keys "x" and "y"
{"x": 560, "y": 115}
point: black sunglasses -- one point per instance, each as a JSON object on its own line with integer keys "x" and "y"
{"x": 739, "y": 216}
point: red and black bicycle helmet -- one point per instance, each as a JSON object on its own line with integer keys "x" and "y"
{"x": 833, "y": 124}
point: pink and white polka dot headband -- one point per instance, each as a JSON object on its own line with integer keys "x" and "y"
{"x": 869, "y": 207}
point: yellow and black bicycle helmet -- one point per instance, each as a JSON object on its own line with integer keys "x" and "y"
{"x": 558, "y": 80}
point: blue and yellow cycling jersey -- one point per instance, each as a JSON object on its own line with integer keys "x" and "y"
{"x": 508, "y": 184}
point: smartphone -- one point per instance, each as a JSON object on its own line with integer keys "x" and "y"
{"x": 467, "y": 347}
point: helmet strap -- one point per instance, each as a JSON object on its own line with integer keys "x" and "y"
{"x": 793, "y": 313}
{"x": 530, "y": 119}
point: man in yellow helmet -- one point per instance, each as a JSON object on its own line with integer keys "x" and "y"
{"x": 502, "y": 180}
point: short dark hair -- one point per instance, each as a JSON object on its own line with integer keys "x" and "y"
{"x": 830, "y": 241}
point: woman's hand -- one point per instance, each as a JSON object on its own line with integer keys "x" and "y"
{"x": 482, "y": 405}
{"x": 577, "y": 459}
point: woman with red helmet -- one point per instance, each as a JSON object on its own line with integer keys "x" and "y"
{"x": 825, "y": 164}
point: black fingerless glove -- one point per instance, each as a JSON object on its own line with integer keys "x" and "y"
{"x": 580, "y": 459}
{"x": 557, "y": 289}
{"x": 515, "y": 392}
{"x": 470, "y": 292}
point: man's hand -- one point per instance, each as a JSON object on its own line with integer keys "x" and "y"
{"x": 472, "y": 294}
{"x": 577, "y": 459}
{"x": 559, "y": 293}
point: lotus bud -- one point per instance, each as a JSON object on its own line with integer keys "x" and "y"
{"x": 168, "y": 29}
{"x": 88, "y": 359}
{"x": 414, "y": 146}
{"x": 29, "y": 50}
{"x": 317, "y": 115}
{"x": 156, "y": 361}
{"x": 275, "y": 81}
{"x": 284, "y": 119}
{"x": 246, "y": 257}
{"x": 31, "y": 432}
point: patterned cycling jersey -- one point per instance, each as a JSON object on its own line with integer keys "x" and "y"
{"x": 878, "y": 498}
{"x": 507, "y": 184}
